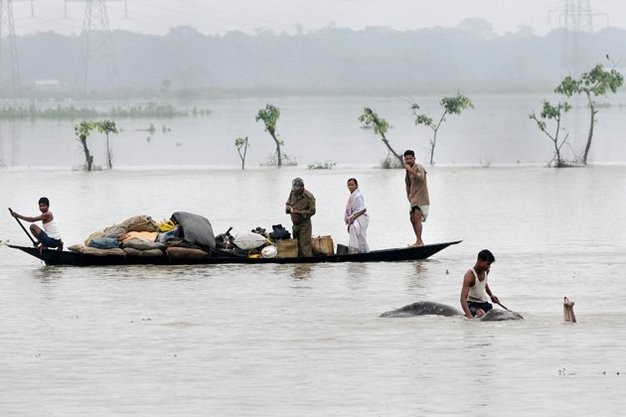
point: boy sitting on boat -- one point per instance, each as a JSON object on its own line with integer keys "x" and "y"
{"x": 50, "y": 236}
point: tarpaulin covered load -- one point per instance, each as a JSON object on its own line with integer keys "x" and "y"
{"x": 195, "y": 229}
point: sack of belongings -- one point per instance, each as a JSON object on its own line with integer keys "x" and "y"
{"x": 104, "y": 243}
{"x": 323, "y": 245}
{"x": 279, "y": 232}
{"x": 141, "y": 223}
{"x": 287, "y": 248}
{"x": 194, "y": 229}
{"x": 185, "y": 254}
{"x": 96, "y": 251}
{"x": 249, "y": 240}
{"x": 269, "y": 252}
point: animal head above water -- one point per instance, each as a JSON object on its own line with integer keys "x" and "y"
{"x": 568, "y": 311}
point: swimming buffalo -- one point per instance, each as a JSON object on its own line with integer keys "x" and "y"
{"x": 423, "y": 308}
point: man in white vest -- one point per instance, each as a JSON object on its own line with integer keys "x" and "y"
{"x": 475, "y": 292}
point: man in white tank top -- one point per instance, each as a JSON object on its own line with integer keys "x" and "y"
{"x": 50, "y": 236}
{"x": 475, "y": 292}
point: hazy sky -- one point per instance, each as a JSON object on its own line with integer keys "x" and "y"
{"x": 221, "y": 16}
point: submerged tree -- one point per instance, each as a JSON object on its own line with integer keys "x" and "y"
{"x": 107, "y": 127}
{"x": 380, "y": 126}
{"x": 270, "y": 115}
{"x": 450, "y": 105}
{"x": 242, "y": 148}
{"x": 555, "y": 113}
{"x": 82, "y": 132}
{"x": 597, "y": 82}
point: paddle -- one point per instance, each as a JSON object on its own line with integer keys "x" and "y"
{"x": 504, "y": 307}
{"x": 23, "y": 228}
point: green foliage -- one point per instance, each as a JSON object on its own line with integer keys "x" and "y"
{"x": 371, "y": 120}
{"x": 84, "y": 128}
{"x": 553, "y": 113}
{"x": 107, "y": 127}
{"x": 422, "y": 119}
{"x": 270, "y": 115}
{"x": 391, "y": 162}
{"x": 456, "y": 104}
{"x": 82, "y": 132}
{"x": 242, "y": 149}
{"x": 150, "y": 110}
{"x": 597, "y": 82}
{"x": 450, "y": 105}
{"x": 322, "y": 165}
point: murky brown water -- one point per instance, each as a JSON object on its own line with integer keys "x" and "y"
{"x": 286, "y": 340}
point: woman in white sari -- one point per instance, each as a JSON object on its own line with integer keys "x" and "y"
{"x": 357, "y": 219}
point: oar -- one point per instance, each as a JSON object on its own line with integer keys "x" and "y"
{"x": 504, "y": 307}
{"x": 23, "y": 228}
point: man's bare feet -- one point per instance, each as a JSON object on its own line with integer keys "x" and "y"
{"x": 416, "y": 245}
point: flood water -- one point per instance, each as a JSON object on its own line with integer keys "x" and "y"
{"x": 307, "y": 340}
{"x": 314, "y": 130}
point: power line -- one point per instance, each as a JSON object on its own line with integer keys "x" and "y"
{"x": 96, "y": 40}
{"x": 7, "y": 35}
{"x": 576, "y": 17}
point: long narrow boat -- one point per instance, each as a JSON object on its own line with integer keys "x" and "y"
{"x": 54, "y": 257}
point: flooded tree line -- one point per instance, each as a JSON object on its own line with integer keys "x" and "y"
{"x": 598, "y": 82}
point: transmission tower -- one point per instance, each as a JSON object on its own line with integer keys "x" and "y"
{"x": 9, "y": 64}
{"x": 96, "y": 49}
{"x": 576, "y": 17}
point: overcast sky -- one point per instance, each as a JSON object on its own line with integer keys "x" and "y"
{"x": 221, "y": 16}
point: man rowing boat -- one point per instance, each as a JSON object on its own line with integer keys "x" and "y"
{"x": 49, "y": 237}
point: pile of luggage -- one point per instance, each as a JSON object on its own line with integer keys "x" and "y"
{"x": 258, "y": 243}
{"x": 185, "y": 236}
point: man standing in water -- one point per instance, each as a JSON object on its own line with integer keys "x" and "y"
{"x": 475, "y": 290}
{"x": 417, "y": 193}
{"x": 50, "y": 236}
{"x": 301, "y": 206}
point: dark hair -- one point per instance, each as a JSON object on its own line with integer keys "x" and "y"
{"x": 355, "y": 181}
{"x": 409, "y": 152}
{"x": 44, "y": 200}
{"x": 486, "y": 255}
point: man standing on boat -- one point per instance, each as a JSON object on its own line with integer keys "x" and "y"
{"x": 417, "y": 193}
{"x": 301, "y": 206}
{"x": 50, "y": 236}
{"x": 475, "y": 292}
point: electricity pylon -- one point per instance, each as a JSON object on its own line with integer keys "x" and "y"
{"x": 96, "y": 43}
{"x": 576, "y": 17}
{"x": 9, "y": 64}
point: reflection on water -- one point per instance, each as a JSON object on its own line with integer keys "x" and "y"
{"x": 47, "y": 274}
{"x": 300, "y": 271}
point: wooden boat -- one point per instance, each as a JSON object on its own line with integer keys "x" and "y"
{"x": 54, "y": 257}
